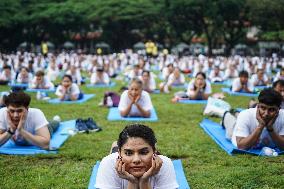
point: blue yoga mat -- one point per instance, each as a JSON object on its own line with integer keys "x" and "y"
{"x": 187, "y": 101}
{"x": 112, "y": 84}
{"x": 218, "y": 134}
{"x": 84, "y": 99}
{"x": 57, "y": 140}
{"x": 23, "y": 85}
{"x": 180, "y": 176}
{"x": 182, "y": 86}
{"x": 261, "y": 87}
{"x": 41, "y": 90}
{"x": 228, "y": 90}
{"x": 156, "y": 91}
{"x": 226, "y": 82}
{"x": 114, "y": 115}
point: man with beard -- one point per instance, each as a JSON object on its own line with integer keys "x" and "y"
{"x": 263, "y": 125}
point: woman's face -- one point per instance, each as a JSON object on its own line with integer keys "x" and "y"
{"x": 135, "y": 89}
{"x": 66, "y": 82}
{"x": 199, "y": 80}
{"x": 137, "y": 155}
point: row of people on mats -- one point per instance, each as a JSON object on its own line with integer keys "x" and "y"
{"x": 134, "y": 161}
{"x": 21, "y": 68}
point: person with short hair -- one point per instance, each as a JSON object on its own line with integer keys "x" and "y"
{"x": 68, "y": 91}
{"x": 24, "y": 76}
{"x": 135, "y": 102}
{"x": 279, "y": 87}
{"x": 149, "y": 83}
{"x": 260, "y": 78}
{"x": 135, "y": 163}
{"x": 22, "y": 124}
{"x": 263, "y": 125}
{"x": 40, "y": 81}
{"x": 100, "y": 77}
{"x": 7, "y": 75}
{"x": 243, "y": 84}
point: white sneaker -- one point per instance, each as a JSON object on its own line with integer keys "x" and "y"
{"x": 166, "y": 89}
{"x": 57, "y": 118}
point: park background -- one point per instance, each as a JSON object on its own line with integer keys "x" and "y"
{"x": 218, "y": 25}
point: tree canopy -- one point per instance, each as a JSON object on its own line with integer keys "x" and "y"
{"x": 122, "y": 23}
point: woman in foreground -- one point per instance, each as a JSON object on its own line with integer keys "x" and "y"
{"x": 134, "y": 163}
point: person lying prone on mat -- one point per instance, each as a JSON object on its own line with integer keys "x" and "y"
{"x": 40, "y": 81}
{"x": 134, "y": 163}
{"x": 135, "y": 102}
{"x": 24, "y": 125}
{"x": 260, "y": 126}
{"x": 242, "y": 83}
{"x": 67, "y": 90}
{"x": 199, "y": 88}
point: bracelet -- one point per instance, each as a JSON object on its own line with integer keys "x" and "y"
{"x": 269, "y": 129}
{"x": 10, "y": 132}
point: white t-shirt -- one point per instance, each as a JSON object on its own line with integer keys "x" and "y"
{"x": 176, "y": 81}
{"x": 247, "y": 123}
{"x": 254, "y": 79}
{"x": 216, "y": 77}
{"x": 151, "y": 84}
{"x": 24, "y": 79}
{"x": 45, "y": 84}
{"x": 144, "y": 102}
{"x": 96, "y": 80}
{"x": 35, "y": 120}
{"x": 73, "y": 90}
{"x": 190, "y": 88}
{"x": 107, "y": 177}
{"x": 237, "y": 84}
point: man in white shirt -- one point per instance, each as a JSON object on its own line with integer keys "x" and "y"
{"x": 243, "y": 84}
{"x": 263, "y": 125}
{"x": 24, "y": 125}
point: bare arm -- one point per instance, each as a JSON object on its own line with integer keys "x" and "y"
{"x": 278, "y": 139}
{"x": 143, "y": 112}
{"x": 41, "y": 137}
{"x": 4, "y": 137}
{"x": 247, "y": 142}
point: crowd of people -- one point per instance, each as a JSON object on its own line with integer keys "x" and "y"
{"x": 136, "y": 162}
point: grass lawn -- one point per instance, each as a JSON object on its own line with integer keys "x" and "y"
{"x": 179, "y": 137}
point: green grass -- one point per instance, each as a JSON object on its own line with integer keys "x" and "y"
{"x": 179, "y": 137}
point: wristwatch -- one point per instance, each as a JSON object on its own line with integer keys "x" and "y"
{"x": 10, "y": 132}
{"x": 269, "y": 129}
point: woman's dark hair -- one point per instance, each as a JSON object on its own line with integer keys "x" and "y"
{"x": 137, "y": 130}
{"x": 204, "y": 76}
{"x": 146, "y": 71}
{"x": 39, "y": 73}
{"x": 68, "y": 76}
{"x": 270, "y": 97}
{"x": 243, "y": 74}
{"x": 17, "y": 99}
{"x": 278, "y": 82}
{"x": 201, "y": 73}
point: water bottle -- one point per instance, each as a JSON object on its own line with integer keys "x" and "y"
{"x": 266, "y": 151}
{"x": 38, "y": 95}
{"x": 109, "y": 102}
